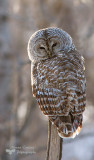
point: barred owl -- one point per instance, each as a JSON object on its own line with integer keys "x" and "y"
{"x": 58, "y": 79}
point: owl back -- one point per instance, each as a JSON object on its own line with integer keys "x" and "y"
{"x": 59, "y": 87}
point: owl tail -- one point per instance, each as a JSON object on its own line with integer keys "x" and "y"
{"x": 68, "y": 126}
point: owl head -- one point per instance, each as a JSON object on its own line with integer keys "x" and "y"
{"x": 49, "y": 42}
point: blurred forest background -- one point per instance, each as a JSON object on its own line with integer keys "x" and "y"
{"x": 22, "y": 125}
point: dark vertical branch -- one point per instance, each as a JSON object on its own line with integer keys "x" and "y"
{"x": 54, "y": 145}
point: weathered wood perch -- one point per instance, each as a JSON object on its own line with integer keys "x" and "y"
{"x": 54, "y": 146}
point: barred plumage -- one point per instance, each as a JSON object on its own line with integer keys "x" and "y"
{"x": 58, "y": 79}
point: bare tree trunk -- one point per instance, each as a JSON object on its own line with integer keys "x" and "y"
{"x": 54, "y": 146}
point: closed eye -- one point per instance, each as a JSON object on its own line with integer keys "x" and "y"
{"x": 41, "y": 47}
{"x": 54, "y": 44}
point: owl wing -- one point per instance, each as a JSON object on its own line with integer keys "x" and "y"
{"x": 76, "y": 91}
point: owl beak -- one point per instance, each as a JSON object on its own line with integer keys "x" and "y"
{"x": 49, "y": 54}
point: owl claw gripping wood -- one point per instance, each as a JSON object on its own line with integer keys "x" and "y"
{"x": 58, "y": 79}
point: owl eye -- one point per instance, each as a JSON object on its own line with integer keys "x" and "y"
{"x": 42, "y": 48}
{"x": 55, "y": 44}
